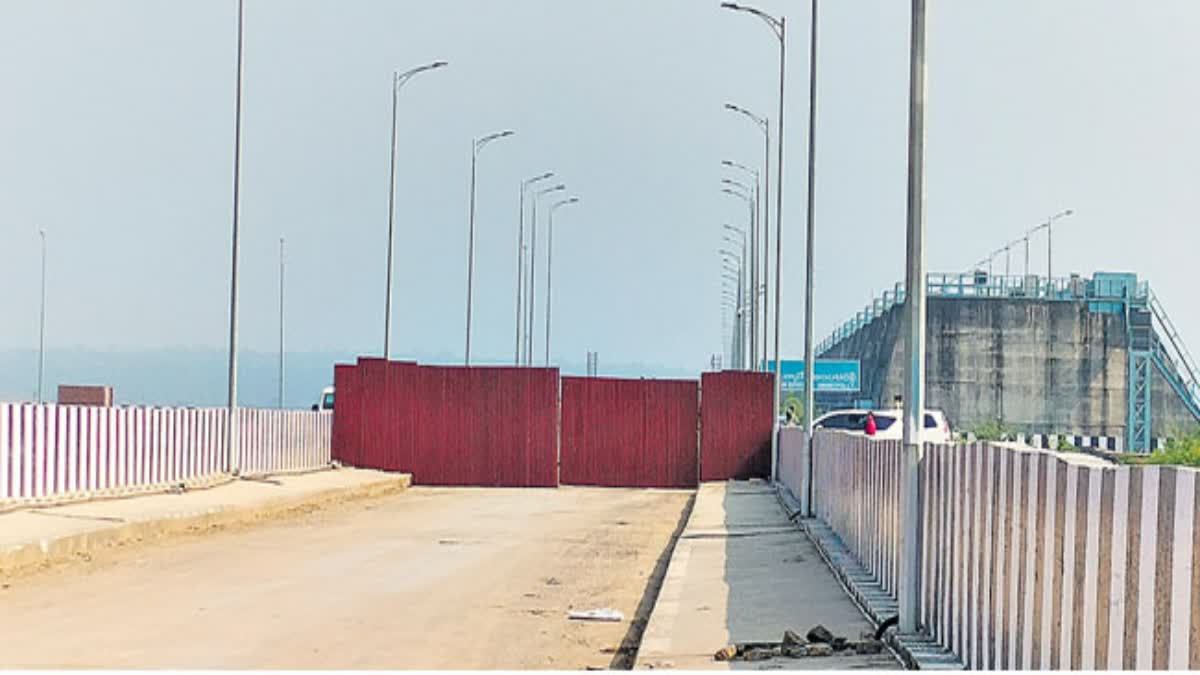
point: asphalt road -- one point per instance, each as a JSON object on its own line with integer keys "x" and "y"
{"x": 429, "y": 578}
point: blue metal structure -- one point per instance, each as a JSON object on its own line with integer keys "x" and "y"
{"x": 1154, "y": 343}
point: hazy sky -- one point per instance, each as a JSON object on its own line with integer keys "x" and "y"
{"x": 116, "y": 135}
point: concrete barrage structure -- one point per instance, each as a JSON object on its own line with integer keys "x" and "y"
{"x": 1085, "y": 357}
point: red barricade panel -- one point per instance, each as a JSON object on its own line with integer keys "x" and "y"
{"x": 629, "y": 433}
{"x": 736, "y": 425}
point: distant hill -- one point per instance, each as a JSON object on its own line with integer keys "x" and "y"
{"x": 198, "y": 377}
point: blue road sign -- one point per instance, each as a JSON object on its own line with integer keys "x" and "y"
{"x": 830, "y": 375}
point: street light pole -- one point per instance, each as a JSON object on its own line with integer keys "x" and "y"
{"x": 231, "y": 439}
{"x": 914, "y": 376}
{"x": 748, "y": 259}
{"x": 42, "y": 325}
{"x": 479, "y": 145}
{"x": 809, "y": 257}
{"x": 521, "y": 261}
{"x": 549, "y": 266}
{"x": 398, "y": 81}
{"x": 754, "y": 246}
{"x": 779, "y": 28}
{"x": 738, "y": 342}
{"x": 531, "y": 297}
{"x": 281, "y": 352}
{"x": 1049, "y": 246}
{"x": 764, "y": 125}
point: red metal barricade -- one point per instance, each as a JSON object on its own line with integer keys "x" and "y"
{"x": 736, "y": 423}
{"x": 493, "y": 427}
{"x": 629, "y": 433}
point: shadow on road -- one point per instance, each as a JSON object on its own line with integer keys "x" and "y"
{"x": 626, "y": 654}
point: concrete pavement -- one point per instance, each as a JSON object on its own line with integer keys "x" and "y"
{"x": 36, "y": 536}
{"x": 741, "y": 572}
{"x": 426, "y": 578}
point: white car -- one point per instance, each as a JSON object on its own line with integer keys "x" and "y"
{"x": 325, "y": 404}
{"x": 889, "y": 424}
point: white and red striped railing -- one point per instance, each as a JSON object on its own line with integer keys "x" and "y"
{"x": 50, "y": 451}
{"x": 1030, "y": 560}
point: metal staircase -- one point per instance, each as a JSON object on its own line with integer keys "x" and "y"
{"x": 1175, "y": 362}
{"x": 1155, "y": 344}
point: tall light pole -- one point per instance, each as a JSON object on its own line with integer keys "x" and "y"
{"x": 809, "y": 256}
{"x": 42, "y": 325}
{"x": 398, "y": 81}
{"x": 914, "y": 375}
{"x": 1008, "y": 257}
{"x": 231, "y": 429}
{"x": 742, "y": 191}
{"x": 550, "y": 263}
{"x": 738, "y": 341}
{"x": 779, "y": 28}
{"x": 754, "y": 246}
{"x": 479, "y": 144}
{"x": 1049, "y": 242}
{"x": 741, "y": 259}
{"x": 281, "y": 352}
{"x": 521, "y": 261}
{"x": 764, "y": 125}
{"x": 531, "y": 297}
{"x": 735, "y": 305}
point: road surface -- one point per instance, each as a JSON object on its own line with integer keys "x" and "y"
{"x": 431, "y": 578}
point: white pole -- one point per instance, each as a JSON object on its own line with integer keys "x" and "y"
{"x": 281, "y": 352}
{"x": 42, "y": 323}
{"x": 914, "y": 376}
{"x": 232, "y": 430}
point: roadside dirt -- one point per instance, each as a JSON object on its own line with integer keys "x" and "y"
{"x": 431, "y": 578}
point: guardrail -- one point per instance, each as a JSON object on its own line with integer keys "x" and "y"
{"x": 50, "y": 451}
{"x": 1027, "y": 561}
{"x": 983, "y": 285}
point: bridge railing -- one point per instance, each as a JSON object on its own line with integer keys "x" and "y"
{"x": 1027, "y": 560}
{"x": 52, "y": 452}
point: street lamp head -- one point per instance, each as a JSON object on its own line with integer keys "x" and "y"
{"x": 538, "y": 179}
{"x": 737, "y": 165}
{"x": 480, "y": 142}
{"x": 556, "y": 188}
{"x": 760, "y": 121}
{"x": 400, "y": 78}
{"x": 775, "y": 24}
{"x": 565, "y": 202}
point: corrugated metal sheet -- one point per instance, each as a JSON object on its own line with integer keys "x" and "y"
{"x": 493, "y": 427}
{"x": 736, "y": 423}
{"x": 629, "y": 433}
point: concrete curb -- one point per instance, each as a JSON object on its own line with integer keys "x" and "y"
{"x": 916, "y": 652}
{"x": 22, "y": 557}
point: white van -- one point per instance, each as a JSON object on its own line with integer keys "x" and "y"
{"x": 325, "y": 403}
{"x": 889, "y": 424}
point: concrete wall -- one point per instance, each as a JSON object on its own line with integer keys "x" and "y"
{"x": 1028, "y": 561}
{"x": 1038, "y": 366}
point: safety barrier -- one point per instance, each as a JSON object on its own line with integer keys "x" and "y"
{"x": 50, "y": 451}
{"x": 1028, "y": 561}
{"x": 629, "y": 433}
{"x": 529, "y": 427}
{"x": 736, "y": 425}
